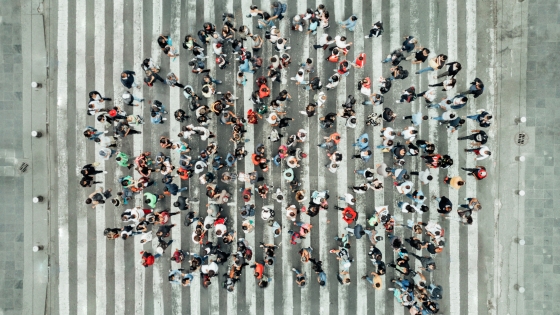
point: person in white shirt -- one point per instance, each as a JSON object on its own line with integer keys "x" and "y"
{"x": 320, "y": 99}
{"x": 481, "y": 152}
{"x": 348, "y": 198}
{"x": 199, "y": 167}
{"x": 409, "y": 133}
{"x": 351, "y": 122}
{"x": 324, "y": 41}
{"x": 405, "y": 187}
{"x": 281, "y": 45}
{"x": 388, "y": 133}
{"x": 211, "y": 269}
{"x": 429, "y": 95}
{"x": 407, "y": 207}
{"x": 299, "y": 78}
{"x": 340, "y": 42}
{"x": 333, "y": 81}
{"x": 220, "y": 230}
{"x": 291, "y": 212}
{"x": 423, "y": 176}
{"x": 446, "y": 116}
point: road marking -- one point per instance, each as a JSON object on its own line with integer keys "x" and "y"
{"x": 138, "y": 144}
{"x": 100, "y": 220}
{"x": 82, "y": 250}
{"x": 62, "y": 153}
{"x": 453, "y": 233}
{"x": 118, "y": 37}
{"x": 472, "y": 231}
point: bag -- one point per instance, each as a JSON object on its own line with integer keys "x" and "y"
{"x": 284, "y": 7}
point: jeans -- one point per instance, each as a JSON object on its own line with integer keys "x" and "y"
{"x": 296, "y": 271}
{"x": 440, "y": 118}
{"x": 400, "y": 203}
{"x": 473, "y": 117}
{"x": 387, "y": 59}
{"x": 369, "y": 279}
{"x": 434, "y": 105}
{"x": 203, "y": 259}
{"x": 424, "y": 70}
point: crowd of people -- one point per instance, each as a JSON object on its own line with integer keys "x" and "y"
{"x": 411, "y": 287}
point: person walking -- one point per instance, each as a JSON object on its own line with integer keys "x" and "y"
{"x": 127, "y": 79}
{"x": 476, "y": 89}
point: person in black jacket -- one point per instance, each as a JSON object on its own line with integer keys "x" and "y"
{"x": 127, "y": 79}
{"x": 476, "y": 89}
{"x": 452, "y": 69}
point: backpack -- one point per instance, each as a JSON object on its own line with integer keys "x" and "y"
{"x": 267, "y": 34}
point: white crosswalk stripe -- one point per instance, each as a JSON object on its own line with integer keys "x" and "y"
{"x": 125, "y": 31}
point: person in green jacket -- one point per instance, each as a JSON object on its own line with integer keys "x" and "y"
{"x": 122, "y": 160}
{"x": 152, "y": 199}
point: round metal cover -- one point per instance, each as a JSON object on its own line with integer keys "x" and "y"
{"x": 521, "y": 138}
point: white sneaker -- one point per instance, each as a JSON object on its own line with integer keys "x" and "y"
{"x": 366, "y": 36}
{"x": 164, "y": 119}
{"x": 104, "y": 172}
{"x": 106, "y": 131}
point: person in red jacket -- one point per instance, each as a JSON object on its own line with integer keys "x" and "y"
{"x": 348, "y": 214}
{"x": 478, "y": 172}
{"x": 147, "y": 259}
{"x": 360, "y": 61}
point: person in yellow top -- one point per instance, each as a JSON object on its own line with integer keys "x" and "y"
{"x": 455, "y": 182}
{"x": 375, "y": 280}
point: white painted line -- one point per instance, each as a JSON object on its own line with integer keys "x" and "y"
{"x": 158, "y": 272}
{"x": 82, "y": 208}
{"x": 395, "y": 40}
{"x": 118, "y": 37}
{"x": 62, "y": 152}
{"x": 138, "y": 144}
{"x": 323, "y": 250}
{"x": 342, "y": 188}
{"x": 472, "y": 231}
{"x": 361, "y": 245}
{"x": 100, "y": 221}
{"x": 174, "y": 129}
{"x": 453, "y": 233}
{"x": 193, "y": 185}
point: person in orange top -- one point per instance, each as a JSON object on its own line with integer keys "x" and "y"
{"x": 455, "y": 182}
{"x": 183, "y": 173}
{"x": 348, "y": 214}
{"x": 360, "y": 61}
{"x": 259, "y": 270}
{"x": 264, "y": 91}
{"x": 334, "y": 137}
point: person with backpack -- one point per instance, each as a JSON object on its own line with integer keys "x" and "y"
{"x": 408, "y": 95}
{"x": 376, "y": 30}
{"x": 278, "y": 10}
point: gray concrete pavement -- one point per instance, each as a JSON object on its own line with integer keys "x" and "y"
{"x": 91, "y": 42}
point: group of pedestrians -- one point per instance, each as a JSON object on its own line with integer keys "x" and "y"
{"x": 210, "y": 233}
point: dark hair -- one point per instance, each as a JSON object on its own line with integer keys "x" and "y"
{"x": 88, "y": 201}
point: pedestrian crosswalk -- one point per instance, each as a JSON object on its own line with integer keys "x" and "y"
{"x": 97, "y": 40}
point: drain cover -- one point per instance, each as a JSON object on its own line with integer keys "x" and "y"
{"x": 23, "y": 167}
{"x": 521, "y": 138}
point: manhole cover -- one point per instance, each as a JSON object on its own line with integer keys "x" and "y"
{"x": 521, "y": 138}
